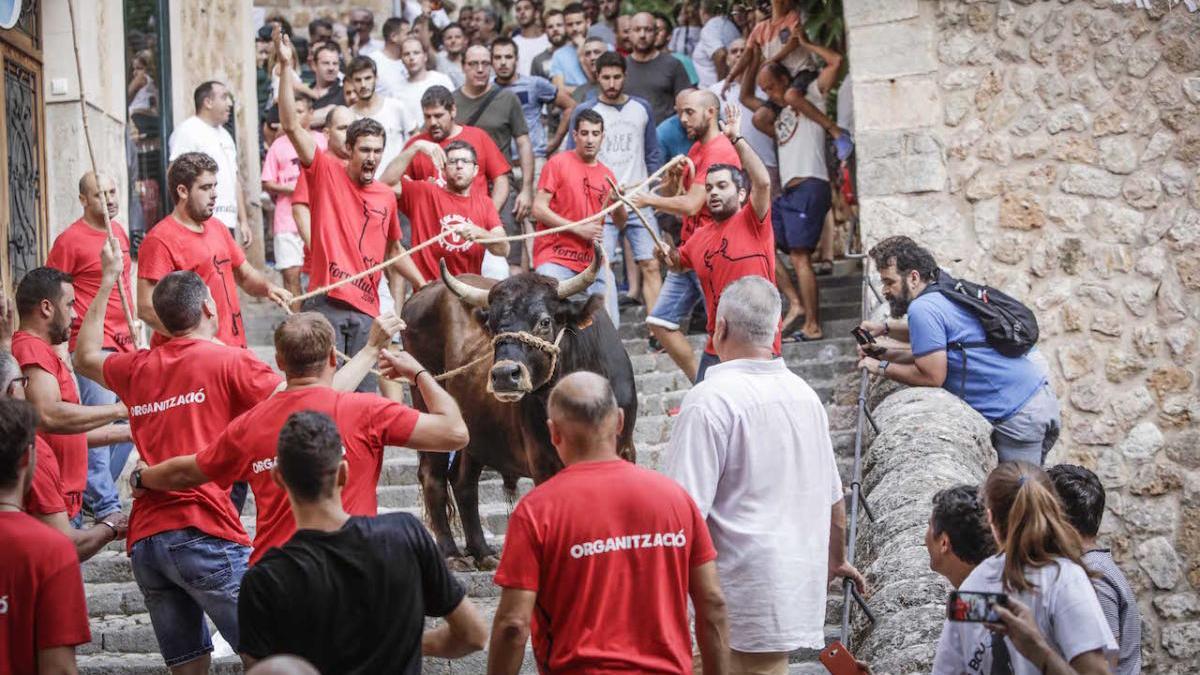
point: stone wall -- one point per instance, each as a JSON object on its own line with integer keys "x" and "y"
{"x": 928, "y": 440}
{"x": 1051, "y": 149}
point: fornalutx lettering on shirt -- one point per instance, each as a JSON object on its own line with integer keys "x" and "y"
{"x": 629, "y": 542}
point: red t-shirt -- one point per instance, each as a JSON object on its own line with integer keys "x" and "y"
{"x": 77, "y": 252}
{"x": 70, "y": 450}
{"x": 433, "y": 209}
{"x": 41, "y": 593}
{"x": 246, "y": 451}
{"x": 717, "y": 151}
{"x": 600, "y": 544}
{"x": 492, "y": 163}
{"x": 181, "y": 395}
{"x": 45, "y": 494}
{"x": 722, "y": 253}
{"x": 212, "y": 254}
{"x": 351, "y": 227}
{"x": 577, "y": 190}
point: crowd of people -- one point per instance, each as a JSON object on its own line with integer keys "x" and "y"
{"x": 454, "y": 134}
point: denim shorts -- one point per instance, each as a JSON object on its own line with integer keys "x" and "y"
{"x": 679, "y": 295}
{"x": 603, "y": 285}
{"x": 641, "y": 241}
{"x": 185, "y": 574}
{"x": 798, "y": 215}
{"x": 350, "y": 330}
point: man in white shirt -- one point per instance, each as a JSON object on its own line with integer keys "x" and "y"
{"x": 205, "y": 132}
{"x": 716, "y": 37}
{"x": 362, "y": 23}
{"x": 420, "y": 78}
{"x": 390, "y": 72}
{"x": 397, "y": 118}
{"x": 531, "y": 40}
{"x": 751, "y": 445}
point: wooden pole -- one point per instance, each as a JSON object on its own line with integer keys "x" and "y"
{"x": 126, "y": 305}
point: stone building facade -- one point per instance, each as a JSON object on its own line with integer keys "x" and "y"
{"x": 1051, "y": 149}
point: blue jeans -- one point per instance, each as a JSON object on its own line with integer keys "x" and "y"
{"x": 641, "y": 241}
{"x": 679, "y": 295}
{"x": 185, "y": 574}
{"x": 106, "y": 462}
{"x": 604, "y": 285}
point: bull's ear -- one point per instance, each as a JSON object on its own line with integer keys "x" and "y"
{"x": 579, "y": 313}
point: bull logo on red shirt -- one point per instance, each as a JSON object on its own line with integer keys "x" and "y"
{"x": 453, "y": 241}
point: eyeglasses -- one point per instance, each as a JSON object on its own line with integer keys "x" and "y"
{"x": 455, "y": 161}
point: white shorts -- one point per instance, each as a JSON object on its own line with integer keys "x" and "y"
{"x": 289, "y": 250}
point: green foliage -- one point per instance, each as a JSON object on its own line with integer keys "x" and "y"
{"x": 825, "y": 25}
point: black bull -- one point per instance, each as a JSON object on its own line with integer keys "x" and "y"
{"x": 503, "y": 399}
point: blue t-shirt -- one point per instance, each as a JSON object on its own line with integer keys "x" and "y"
{"x": 533, "y": 92}
{"x": 996, "y": 385}
{"x": 565, "y": 62}
{"x": 672, "y": 138}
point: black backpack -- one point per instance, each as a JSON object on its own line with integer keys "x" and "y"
{"x": 1009, "y": 326}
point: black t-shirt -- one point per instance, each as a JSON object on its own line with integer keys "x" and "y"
{"x": 658, "y": 81}
{"x": 350, "y": 601}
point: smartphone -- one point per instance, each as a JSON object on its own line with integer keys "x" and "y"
{"x": 974, "y": 606}
{"x": 864, "y": 338}
{"x": 838, "y": 660}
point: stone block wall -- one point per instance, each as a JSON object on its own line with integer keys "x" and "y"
{"x": 928, "y": 440}
{"x": 1051, "y": 148}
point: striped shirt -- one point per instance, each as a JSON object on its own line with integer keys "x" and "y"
{"x": 1120, "y": 608}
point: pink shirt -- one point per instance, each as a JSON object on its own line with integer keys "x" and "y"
{"x": 282, "y": 165}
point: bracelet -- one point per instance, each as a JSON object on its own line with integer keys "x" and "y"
{"x": 418, "y": 375}
{"x": 739, "y": 138}
{"x": 110, "y": 526}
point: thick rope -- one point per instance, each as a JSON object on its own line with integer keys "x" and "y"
{"x": 126, "y": 304}
{"x": 641, "y": 216}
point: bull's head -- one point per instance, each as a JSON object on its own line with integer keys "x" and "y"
{"x": 528, "y": 305}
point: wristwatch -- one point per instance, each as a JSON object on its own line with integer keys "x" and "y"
{"x": 883, "y": 364}
{"x": 135, "y": 479}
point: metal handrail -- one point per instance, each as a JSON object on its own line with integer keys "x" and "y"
{"x": 856, "y": 499}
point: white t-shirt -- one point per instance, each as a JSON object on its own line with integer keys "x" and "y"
{"x": 398, "y": 123}
{"x": 196, "y": 135}
{"x": 390, "y": 74}
{"x": 763, "y": 144}
{"x": 1064, "y": 606}
{"x": 751, "y": 446}
{"x": 717, "y": 33}
{"x": 845, "y": 105}
{"x": 627, "y": 130}
{"x": 801, "y": 141}
{"x": 373, "y": 45}
{"x": 410, "y": 92}
{"x": 527, "y": 50}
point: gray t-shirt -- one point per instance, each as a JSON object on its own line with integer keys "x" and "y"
{"x": 502, "y": 119}
{"x": 658, "y": 81}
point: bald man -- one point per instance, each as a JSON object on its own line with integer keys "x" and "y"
{"x": 77, "y": 252}
{"x": 653, "y": 74}
{"x": 609, "y": 553}
{"x": 283, "y": 665}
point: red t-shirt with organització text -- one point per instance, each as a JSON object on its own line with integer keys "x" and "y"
{"x": 181, "y": 395}
{"x": 607, "y": 544}
{"x": 351, "y": 226}
{"x": 722, "y": 253}
{"x": 433, "y": 210}
{"x": 246, "y": 451}
{"x": 71, "y": 450}
{"x": 704, "y": 155}
{"x": 77, "y": 252}
{"x": 490, "y": 161}
{"x": 211, "y": 254}
{"x": 577, "y": 190}
{"x": 45, "y": 495}
{"x": 41, "y": 593}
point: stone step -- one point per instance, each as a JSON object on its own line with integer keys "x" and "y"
{"x": 836, "y": 322}
{"x": 409, "y": 496}
{"x": 835, "y": 331}
{"x": 108, "y": 663}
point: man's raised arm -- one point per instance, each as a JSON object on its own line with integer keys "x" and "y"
{"x": 89, "y": 346}
{"x": 289, "y": 120}
{"x": 752, "y": 164}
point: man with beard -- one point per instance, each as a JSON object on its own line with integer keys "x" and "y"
{"x": 739, "y": 241}
{"x": 439, "y": 110}
{"x": 1010, "y": 392}
{"x": 624, "y": 35}
{"x": 557, "y": 35}
{"x": 631, "y": 151}
{"x": 573, "y": 188}
{"x": 327, "y": 66}
{"x": 606, "y": 28}
{"x": 190, "y": 238}
{"x": 354, "y": 224}
{"x": 46, "y": 307}
{"x": 449, "y": 61}
{"x": 466, "y": 212}
{"x": 593, "y": 47}
{"x": 564, "y": 65}
{"x": 74, "y": 252}
{"x": 530, "y": 39}
{"x": 681, "y": 289}
{"x": 398, "y": 118}
{"x": 654, "y": 74}
{"x": 533, "y": 93}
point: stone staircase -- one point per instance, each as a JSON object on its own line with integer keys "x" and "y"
{"x": 123, "y": 639}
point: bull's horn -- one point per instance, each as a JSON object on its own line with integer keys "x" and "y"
{"x": 474, "y": 296}
{"x": 580, "y": 282}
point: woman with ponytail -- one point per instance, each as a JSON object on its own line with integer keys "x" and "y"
{"x": 1058, "y": 625}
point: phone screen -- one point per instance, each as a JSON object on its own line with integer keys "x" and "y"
{"x": 974, "y": 606}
